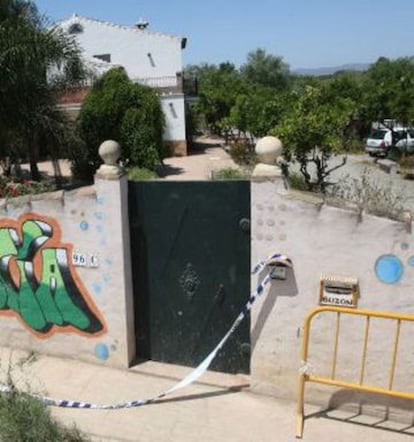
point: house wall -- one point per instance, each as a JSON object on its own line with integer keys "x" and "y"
{"x": 174, "y": 133}
{"x": 151, "y": 58}
{"x": 326, "y": 240}
{"x": 78, "y": 303}
{"x": 129, "y": 47}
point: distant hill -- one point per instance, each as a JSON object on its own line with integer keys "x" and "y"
{"x": 331, "y": 70}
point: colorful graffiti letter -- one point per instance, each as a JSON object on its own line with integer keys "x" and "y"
{"x": 38, "y": 282}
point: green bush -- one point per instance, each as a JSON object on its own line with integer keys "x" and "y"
{"x": 242, "y": 154}
{"x": 192, "y": 121}
{"x": 25, "y": 419}
{"x": 141, "y": 140}
{"x": 296, "y": 181}
{"x": 140, "y": 174}
{"x": 119, "y": 109}
{"x": 228, "y": 174}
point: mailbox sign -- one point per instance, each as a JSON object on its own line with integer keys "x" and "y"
{"x": 339, "y": 291}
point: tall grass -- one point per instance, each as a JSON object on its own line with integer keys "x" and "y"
{"x": 25, "y": 419}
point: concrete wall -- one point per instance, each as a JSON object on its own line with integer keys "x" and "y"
{"x": 326, "y": 240}
{"x": 52, "y": 302}
{"x": 65, "y": 280}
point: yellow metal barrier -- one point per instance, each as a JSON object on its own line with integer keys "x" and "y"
{"x": 332, "y": 381}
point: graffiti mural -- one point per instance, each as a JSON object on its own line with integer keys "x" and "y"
{"x": 38, "y": 282}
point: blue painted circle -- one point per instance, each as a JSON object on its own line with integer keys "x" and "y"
{"x": 389, "y": 269}
{"x": 84, "y": 225}
{"x": 97, "y": 287}
{"x": 102, "y": 351}
{"x": 411, "y": 261}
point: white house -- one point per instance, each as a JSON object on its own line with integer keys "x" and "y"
{"x": 150, "y": 58}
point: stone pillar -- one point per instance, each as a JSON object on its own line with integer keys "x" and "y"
{"x": 267, "y": 237}
{"x": 111, "y": 186}
{"x": 268, "y": 150}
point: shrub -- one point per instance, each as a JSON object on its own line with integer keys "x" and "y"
{"x": 192, "y": 121}
{"x": 140, "y": 174}
{"x": 12, "y": 189}
{"x": 228, "y": 174}
{"x": 141, "y": 140}
{"x": 242, "y": 154}
{"x": 371, "y": 195}
{"x": 121, "y": 110}
{"x": 296, "y": 181}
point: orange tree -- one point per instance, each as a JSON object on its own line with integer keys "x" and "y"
{"x": 312, "y": 130}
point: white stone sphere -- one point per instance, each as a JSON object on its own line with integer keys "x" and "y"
{"x": 268, "y": 149}
{"x": 110, "y": 152}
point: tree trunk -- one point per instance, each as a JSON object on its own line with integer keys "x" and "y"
{"x": 57, "y": 172}
{"x": 34, "y": 170}
{"x": 33, "y": 159}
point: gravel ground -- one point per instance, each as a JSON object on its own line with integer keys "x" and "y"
{"x": 358, "y": 166}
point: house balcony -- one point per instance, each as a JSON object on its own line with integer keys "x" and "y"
{"x": 172, "y": 83}
{"x": 165, "y": 84}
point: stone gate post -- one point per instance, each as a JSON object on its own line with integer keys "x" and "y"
{"x": 111, "y": 185}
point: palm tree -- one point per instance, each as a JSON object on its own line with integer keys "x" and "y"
{"x": 37, "y": 63}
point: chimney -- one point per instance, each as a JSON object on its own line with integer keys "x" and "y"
{"x": 141, "y": 24}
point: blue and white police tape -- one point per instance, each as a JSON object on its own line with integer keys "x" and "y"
{"x": 197, "y": 372}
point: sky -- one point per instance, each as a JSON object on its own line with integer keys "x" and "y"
{"x": 306, "y": 33}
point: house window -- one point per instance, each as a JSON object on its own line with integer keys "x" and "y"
{"x": 151, "y": 59}
{"x": 103, "y": 57}
{"x": 172, "y": 110}
{"x": 75, "y": 28}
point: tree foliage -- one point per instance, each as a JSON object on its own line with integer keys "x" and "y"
{"x": 312, "y": 130}
{"x": 257, "y": 111}
{"x": 388, "y": 87}
{"x": 316, "y": 117}
{"x": 245, "y": 99}
{"x": 119, "y": 109}
{"x": 266, "y": 70}
{"x": 219, "y": 87}
{"x": 37, "y": 63}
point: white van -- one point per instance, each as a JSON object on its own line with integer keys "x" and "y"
{"x": 380, "y": 141}
{"x": 406, "y": 143}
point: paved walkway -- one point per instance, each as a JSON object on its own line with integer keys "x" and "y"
{"x": 206, "y": 157}
{"x": 217, "y": 408}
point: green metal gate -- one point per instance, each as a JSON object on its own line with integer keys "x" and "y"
{"x": 190, "y": 244}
